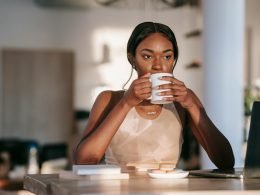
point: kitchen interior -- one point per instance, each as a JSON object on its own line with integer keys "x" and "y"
{"x": 56, "y": 56}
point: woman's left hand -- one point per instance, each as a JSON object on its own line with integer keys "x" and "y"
{"x": 180, "y": 93}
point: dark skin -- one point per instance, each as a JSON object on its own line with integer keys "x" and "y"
{"x": 153, "y": 54}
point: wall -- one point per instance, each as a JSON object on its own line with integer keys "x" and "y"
{"x": 30, "y": 109}
{"x": 25, "y": 25}
{"x": 253, "y": 24}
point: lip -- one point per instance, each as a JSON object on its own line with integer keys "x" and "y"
{"x": 154, "y": 72}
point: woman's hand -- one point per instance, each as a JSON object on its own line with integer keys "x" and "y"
{"x": 139, "y": 90}
{"x": 180, "y": 93}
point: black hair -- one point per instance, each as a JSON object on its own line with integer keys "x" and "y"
{"x": 145, "y": 29}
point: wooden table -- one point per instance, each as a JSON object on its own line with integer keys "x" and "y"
{"x": 139, "y": 184}
{"x": 11, "y": 184}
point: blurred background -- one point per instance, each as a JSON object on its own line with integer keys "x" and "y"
{"x": 56, "y": 56}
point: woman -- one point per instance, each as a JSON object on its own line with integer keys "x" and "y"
{"x": 126, "y": 128}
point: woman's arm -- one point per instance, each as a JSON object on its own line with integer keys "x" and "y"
{"x": 212, "y": 140}
{"x": 107, "y": 114}
{"x": 104, "y": 120}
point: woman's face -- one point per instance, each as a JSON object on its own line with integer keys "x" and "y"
{"x": 154, "y": 54}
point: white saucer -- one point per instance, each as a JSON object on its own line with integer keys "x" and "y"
{"x": 176, "y": 174}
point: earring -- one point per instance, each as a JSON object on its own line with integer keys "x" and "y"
{"x": 134, "y": 67}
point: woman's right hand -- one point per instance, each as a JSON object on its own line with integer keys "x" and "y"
{"x": 139, "y": 90}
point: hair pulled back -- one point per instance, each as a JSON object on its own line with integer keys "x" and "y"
{"x": 145, "y": 29}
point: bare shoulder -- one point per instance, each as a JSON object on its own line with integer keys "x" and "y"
{"x": 109, "y": 97}
{"x": 104, "y": 103}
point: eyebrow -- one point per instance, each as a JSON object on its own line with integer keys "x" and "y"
{"x": 151, "y": 51}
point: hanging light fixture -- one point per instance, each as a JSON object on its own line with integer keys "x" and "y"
{"x": 123, "y": 4}
{"x": 141, "y": 4}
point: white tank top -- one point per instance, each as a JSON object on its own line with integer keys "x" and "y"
{"x": 140, "y": 140}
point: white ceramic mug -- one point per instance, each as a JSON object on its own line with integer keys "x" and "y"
{"x": 155, "y": 98}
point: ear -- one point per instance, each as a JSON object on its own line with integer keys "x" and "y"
{"x": 131, "y": 59}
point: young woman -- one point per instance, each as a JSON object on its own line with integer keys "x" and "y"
{"x": 126, "y": 128}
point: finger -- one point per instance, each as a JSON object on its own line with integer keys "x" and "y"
{"x": 170, "y": 99}
{"x": 142, "y": 80}
{"x": 143, "y": 91}
{"x": 165, "y": 93}
{"x": 180, "y": 94}
{"x": 174, "y": 99}
{"x": 173, "y": 93}
{"x": 167, "y": 78}
{"x": 179, "y": 99}
{"x": 146, "y": 75}
{"x": 143, "y": 85}
{"x": 176, "y": 81}
{"x": 172, "y": 80}
{"x": 172, "y": 86}
{"x": 143, "y": 96}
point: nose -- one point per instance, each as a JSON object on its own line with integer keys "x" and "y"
{"x": 157, "y": 64}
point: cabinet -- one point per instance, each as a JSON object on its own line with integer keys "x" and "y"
{"x": 37, "y": 94}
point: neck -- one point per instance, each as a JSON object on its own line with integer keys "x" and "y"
{"x": 146, "y": 103}
{"x": 146, "y": 108}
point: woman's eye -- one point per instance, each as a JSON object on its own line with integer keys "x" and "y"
{"x": 147, "y": 57}
{"x": 168, "y": 57}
